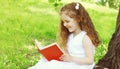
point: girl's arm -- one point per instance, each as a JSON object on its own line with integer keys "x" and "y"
{"x": 89, "y": 52}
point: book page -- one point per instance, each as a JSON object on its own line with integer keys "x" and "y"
{"x": 50, "y": 45}
{"x": 38, "y": 44}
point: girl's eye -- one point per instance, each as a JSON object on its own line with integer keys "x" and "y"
{"x": 66, "y": 21}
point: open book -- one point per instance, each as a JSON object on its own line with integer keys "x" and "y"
{"x": 50, "y": 52}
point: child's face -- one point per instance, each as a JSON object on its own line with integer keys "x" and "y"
{"x": 70, "y": 23}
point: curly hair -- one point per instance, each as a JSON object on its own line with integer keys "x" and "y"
{"x": 84, "y": 20}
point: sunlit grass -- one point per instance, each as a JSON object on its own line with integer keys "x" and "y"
{"x": 22, "y": 21}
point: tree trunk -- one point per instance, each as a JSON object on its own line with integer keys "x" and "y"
{"x": 111, "y": 60}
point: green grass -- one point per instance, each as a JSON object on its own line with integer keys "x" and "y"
{"x": 22, "y": 21}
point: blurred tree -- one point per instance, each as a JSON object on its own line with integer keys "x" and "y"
{"x": 102, "y": 2}
{"x": 87, "y": 0}
{"x": 114, "y": 3}
{"x": 110, "y": 3}
{"x": 111, "y": 60}
{"x": 55, "y": 3}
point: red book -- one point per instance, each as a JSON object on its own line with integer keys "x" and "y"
{"x": 50, "y": 52}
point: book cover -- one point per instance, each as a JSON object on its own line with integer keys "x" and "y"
{"x": 50, "y": 52}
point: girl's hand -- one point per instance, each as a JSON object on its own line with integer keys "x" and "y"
{"x": 66, "y": 57}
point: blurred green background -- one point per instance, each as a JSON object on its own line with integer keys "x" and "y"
{"x": 21, "y": 21}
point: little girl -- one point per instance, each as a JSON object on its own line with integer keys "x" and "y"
{"x": 78, "y": 37}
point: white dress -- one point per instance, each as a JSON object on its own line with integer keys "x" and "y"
{"x": 75, "y": 48}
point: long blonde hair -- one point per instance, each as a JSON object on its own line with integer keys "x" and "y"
{"x": 84, "y": 20}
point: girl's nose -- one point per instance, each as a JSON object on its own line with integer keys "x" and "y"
{"x": 65, "y": 24}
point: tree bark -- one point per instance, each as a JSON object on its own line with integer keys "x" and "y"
{"x": 111, "y": 60}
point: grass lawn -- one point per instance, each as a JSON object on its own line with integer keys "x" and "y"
{"x": 21, "y": 21}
